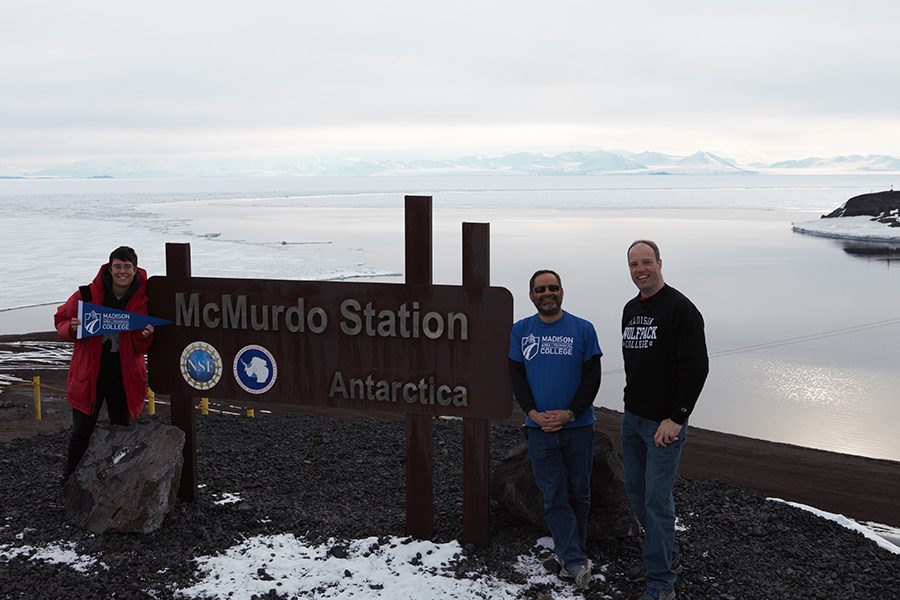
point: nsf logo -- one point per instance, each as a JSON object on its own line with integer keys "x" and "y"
{"x": 255, "y": 369}
{"x": 201, "y": 365}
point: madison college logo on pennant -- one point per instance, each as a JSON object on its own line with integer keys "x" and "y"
{"x": 96, "y": 319}
{"x": 92, "y": 322}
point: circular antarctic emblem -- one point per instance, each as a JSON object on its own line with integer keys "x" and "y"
{"x": 201, "y": 365}
{"x": 255, "y": 369}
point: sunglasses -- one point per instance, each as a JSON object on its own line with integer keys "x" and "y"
{"x": 540, "y": 289}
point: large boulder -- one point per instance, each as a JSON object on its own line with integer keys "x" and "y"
{"x": 127, "y": 480}
{"x": 611, "y": 515}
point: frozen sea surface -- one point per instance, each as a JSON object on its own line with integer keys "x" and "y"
{"x": 802, "y": 330}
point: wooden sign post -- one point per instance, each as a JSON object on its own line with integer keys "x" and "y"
{"x": 417, "y": 348}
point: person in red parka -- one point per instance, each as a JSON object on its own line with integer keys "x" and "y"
{"x": 108, "y": 368}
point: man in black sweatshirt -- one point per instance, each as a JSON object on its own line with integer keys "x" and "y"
{"x": 666, "y": 364}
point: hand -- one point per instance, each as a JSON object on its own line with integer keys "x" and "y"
{"x": 666, "y": 433}
{"x": 74, "y": 323}
{"x": 551, "y": 420}
{"x": 147, "y": 331}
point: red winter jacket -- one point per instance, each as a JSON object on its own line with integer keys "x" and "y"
{"x": 81, "y": 389}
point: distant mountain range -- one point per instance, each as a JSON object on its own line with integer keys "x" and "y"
{"x": 520, "y": 163}
{"x": 855, "y": 162}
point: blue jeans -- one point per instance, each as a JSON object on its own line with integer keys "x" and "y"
{"x": 649, "y": 477}
{"x": 562, "y": 462}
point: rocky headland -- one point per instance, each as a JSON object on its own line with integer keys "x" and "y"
{"x": 866, "y": 218}
{"x": 883, "y": 207}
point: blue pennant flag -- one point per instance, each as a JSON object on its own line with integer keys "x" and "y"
{"x": 100, "y": 320}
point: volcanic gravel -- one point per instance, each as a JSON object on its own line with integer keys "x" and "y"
{"x": 322, "y": 478}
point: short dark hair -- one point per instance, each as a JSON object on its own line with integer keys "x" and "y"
{"x": 125, "y": 254}
{"x": 652, "y": 245}
{"x": 541, "y": 272}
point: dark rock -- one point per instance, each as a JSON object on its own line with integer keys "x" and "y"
{"x": 872, "y": 205}
{"x": 611, "y": 516}
{"x": 461, "y": 567}
{"x": 127, "y": 480}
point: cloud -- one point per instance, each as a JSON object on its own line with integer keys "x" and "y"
{"x": 183, "y": 77}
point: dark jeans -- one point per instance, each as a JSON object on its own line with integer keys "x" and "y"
{"x": 83, "y": 425}
{"x": 561, "y": 462}
{"x": 649, "y": 477}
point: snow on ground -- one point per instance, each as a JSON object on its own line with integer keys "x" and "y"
{"x": 227, "y": 498}
{"x": 891, "y": 534}
{"x": 58, "y": 553}
{"x": 885, "y": 536}
{"x": 850, "y": 228}
{"x": 43, "y": 355}
{"x": 387, "y": 567}
{"x": 373, "y": 567}
{"x": 366, "y": 568}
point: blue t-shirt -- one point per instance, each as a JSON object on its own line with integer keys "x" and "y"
{"x": 553, "y": 355}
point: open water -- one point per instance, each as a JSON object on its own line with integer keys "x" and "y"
{"x": 803, "y": 331}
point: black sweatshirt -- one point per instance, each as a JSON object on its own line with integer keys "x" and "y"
{"x": 664, "y": 348}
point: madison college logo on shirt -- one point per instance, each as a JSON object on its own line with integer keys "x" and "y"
{"x": 531, "y": 345}
{"x": 560, "y": 345}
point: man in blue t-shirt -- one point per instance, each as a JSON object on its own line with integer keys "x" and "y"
{"x": 554, "y": 366}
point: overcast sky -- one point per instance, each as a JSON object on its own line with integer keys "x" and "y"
{"x": 197, "y": 79}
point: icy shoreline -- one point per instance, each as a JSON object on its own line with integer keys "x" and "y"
{"x": 862, "y": 228}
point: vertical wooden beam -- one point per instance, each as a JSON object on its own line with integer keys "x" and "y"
{"x": 178, "y": 265}
{"x": 419, "y": 446}
{"x": 476, "y": 432}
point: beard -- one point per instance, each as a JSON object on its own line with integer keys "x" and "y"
{"x": 548, "y": 309}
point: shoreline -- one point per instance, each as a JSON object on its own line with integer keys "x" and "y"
{"x": 859, "y": 229}
{"x": 858, "y": 487}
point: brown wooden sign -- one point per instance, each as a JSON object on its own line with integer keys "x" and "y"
{"x": 417, "y": 348}
{"x": 409, "y": 348}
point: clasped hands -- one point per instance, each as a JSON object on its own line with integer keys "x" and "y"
{"x": 550, "y": 420}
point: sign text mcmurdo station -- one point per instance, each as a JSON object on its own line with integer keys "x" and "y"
{"x": 236, "y": 313}
{"x": 430, "y": 349}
